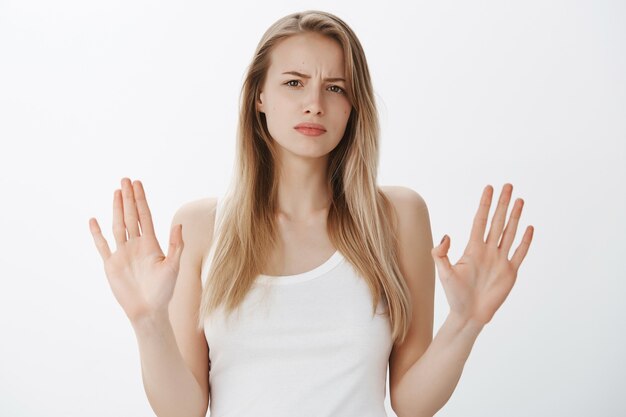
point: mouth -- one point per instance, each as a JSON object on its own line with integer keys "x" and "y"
{"x": 310, "y": 129}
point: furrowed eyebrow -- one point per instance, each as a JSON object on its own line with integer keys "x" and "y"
{"x": 298, "y": 74}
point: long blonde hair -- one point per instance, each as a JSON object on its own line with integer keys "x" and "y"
{"x": 361, "y": 220}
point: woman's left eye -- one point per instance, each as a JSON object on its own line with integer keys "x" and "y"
{"x": 338, "y": 89}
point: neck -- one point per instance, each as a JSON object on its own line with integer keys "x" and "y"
{"x": 303, "y": 191}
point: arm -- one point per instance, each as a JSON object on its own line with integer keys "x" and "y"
{"x": 429, "y": 382}
{"x": 418, "y": 270}
{"x": 160, "y": 295}
{"x": 174, "y": 354}
{"x": 476, "y": 286}
{"x": 170, "y": 386}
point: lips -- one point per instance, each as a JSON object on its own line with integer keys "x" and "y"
{"x": 311, "y": 126}
{"x": 310, "y": 129}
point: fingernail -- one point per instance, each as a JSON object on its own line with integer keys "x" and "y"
{"x": 442, "y": 239}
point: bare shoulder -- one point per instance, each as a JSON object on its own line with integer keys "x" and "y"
{"x": 404, "y": 198}
{"x": 197, "y": 218}
{"x": 413, "y": 226}
{"x": 413, "y": 219}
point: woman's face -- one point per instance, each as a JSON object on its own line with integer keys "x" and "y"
{"x": 305, "y": 83}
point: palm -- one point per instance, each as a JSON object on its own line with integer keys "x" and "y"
{"x": 141, "y": 277}
{"x": 477, "y": 285}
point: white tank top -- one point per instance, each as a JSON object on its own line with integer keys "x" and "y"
{"x": 304, "y": 345}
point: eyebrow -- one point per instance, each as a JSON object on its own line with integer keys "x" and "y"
{"x": 298, "y": 74}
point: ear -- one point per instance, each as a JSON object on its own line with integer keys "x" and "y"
{"x": 259, "y": 103}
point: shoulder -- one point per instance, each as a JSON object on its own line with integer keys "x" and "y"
{"x": 404, "y": 199}
{"x": 197, "y": 218}
{"x": 412, "y": 228}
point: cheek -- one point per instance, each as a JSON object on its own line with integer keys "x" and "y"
{"x": 346, "y": 113}
{"x": 342, "y": 109}
{"x": 347, "y": 107}
{"x": 277, "y": 110}
{"x": 274, "y": 117}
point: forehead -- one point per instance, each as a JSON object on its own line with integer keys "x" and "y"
{"x": 307, "y": 51}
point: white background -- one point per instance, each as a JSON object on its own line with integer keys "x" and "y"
{"x": 469, "y": 94}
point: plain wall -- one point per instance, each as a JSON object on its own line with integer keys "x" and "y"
{"x": 469, "y": 94}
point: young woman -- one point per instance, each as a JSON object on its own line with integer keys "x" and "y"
{"x": 297, "y": 289}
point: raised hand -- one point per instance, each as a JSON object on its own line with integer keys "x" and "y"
{"x": 477, "y": 285}
{"x": 141, "y": 277}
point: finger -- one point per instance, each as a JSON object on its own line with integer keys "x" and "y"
{"x": 522, "y": 249}
{"x": 131, "y": 219}
{"x": 99, "y": 240}
{"x": 176, "y": 244}
{"x": 511, "y": 227}
{"x": 480, "y": 219}
{"x": 119, "y": 230}
{"x": 145, "y": 218}
{"x": 499, "y": 216}
{"x": 440, "y": 256}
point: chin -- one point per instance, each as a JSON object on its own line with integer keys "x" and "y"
{"x": 306, "y": 153}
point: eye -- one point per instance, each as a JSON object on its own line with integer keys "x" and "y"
{"x": 290, "y": 83}
{"x": 337, "y": 89}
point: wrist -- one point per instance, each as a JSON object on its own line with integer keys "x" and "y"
{"x": 465, "y": 324}
{"x": 152, "y": 321}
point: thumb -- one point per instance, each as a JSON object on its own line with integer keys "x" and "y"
{"x": 440, "y": 256}
{"x": 176, "y": 244}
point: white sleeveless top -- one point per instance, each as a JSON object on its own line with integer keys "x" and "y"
{"x": 304, "y": 345}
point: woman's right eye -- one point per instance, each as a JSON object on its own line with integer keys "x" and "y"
{"x": 290, "y": 83}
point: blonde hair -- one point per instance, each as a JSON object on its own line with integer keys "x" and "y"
{"x": 361, "y": 221}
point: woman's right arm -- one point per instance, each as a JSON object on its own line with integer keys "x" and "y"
{"x": 161, "y": 295}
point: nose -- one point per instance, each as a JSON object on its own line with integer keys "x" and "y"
{"x": 313, "y": 103}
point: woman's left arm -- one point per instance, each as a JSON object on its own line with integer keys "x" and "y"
{"x": 475, "y": 287}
